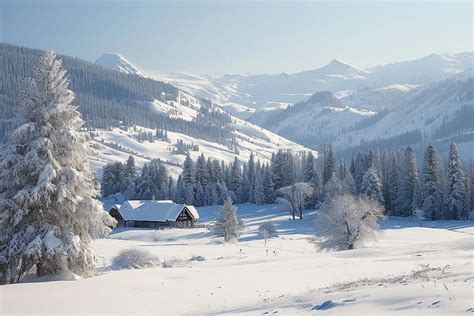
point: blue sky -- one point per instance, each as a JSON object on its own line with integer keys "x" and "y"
{"x": 217, "y": 37}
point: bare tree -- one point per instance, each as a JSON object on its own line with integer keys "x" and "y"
{"x": 266, "y": 230}
{"x": 347, "y": 220}
{"x": 294, "y": 197}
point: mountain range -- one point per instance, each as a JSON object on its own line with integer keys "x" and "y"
{"x": 408, "y": 102}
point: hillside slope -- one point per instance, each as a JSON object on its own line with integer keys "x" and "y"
{"x": 128, "y": 114}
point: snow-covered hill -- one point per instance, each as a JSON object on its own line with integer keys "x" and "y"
{"x": 117, "y": 144}
{"x": 116, "y": 61}
{"x": 315, "y": 121}
{"x": 437, "y": 113}
{"x": 443, "y": 110}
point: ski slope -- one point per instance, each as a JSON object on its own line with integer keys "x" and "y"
{"x": 409, "y": 270}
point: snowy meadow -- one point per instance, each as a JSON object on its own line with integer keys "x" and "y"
{"x": 415, "y": 267}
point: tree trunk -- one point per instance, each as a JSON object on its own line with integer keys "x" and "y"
{"x": 50, "y": 267}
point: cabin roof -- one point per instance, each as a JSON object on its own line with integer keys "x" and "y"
{"x": 154, "y": 211}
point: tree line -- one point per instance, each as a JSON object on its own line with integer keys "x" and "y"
{"x": 299, "y": 180}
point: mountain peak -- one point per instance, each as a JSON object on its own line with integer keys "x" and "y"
{"x": 337, "y": 62}
{"x": 116, "y": 61}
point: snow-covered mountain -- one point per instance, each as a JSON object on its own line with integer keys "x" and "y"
{"x": 438, "y": 113}
{"x": 116, "y": 61}
{"x": 118, "y": 143}
{"x": 352, "y": 104}
{"x": 316, "y": 121}
{"x": 128, "y": 114}
{"x": 276, "y": 90}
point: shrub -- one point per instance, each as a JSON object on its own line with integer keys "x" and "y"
{"x": 134, "y": 258}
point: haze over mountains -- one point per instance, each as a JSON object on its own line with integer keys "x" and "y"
{"x": 407, "y": 102}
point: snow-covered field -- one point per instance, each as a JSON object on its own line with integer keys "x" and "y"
{"x": 409, "y": 270}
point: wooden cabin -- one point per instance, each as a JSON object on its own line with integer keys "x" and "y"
{"x": 114, "y": 212}
{"x": 155, "y": 214}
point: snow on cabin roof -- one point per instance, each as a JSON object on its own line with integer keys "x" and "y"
{"x": 154, "y": 211}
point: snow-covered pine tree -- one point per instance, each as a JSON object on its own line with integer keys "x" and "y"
{"x": 130, "y": 178}
{"x": 409, "y": 182}
{"x": 318, "y": 191}
{"x": 456, "y": 193}
{"x": 235, "y": 180}
{"x": 394, "y": 175}
{"x": 359, "y": 167}
{"x": 227, "y": 224}
{"x": 375, "y": 162}
{"x": 202, "y": 174}
{"x": 188, "y": 175}
{"x": 259, "y": 192}
{"x": 200, "y": 199}
{"x": 431, "y": 193}
{"x": 251, "y": 173}
{"x": 144, "y": 184}
{"x": 108, "y": 180}
{"x": 333, "y": 187}
{"x": 372, "y": 185}
{"x": 308, "y": 168}
{"x": 329, "y": 164}
{"x": 348, "y": 184}
{"x": 268, "y": 185}
{"x": 49, "y": 214}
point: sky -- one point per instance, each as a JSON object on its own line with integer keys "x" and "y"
{"x": 219, "y": 37}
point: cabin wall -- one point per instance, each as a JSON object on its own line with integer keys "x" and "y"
{"x": 148, "y": 224}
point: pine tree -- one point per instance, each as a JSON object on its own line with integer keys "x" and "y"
{"x": 409, "y": 182}
{"x": 359, "y": 171}
{"x": 456, "y": 193}
{"x": 431, "y": 194}
{"x": 375, "y": 162}
{"x": 372, "y": 185}
{"x": 308, "y": 169}
{"x": 227, "y": 224}
{"x": 130, "y": 178}
{"x": 268, "y": 186}
{"x": 108, "y": 180}
{"x": 317, "y": 185}
{"x": 48, "y": 211}
{"x": 202, "y": 174}
{"x": 188, "y": 175}
{"x": 235, "y": 183}
{"x": 394, "y": 185}
{"x": 251, "y": 173}
{"x": 259, "y": 192}
{"x": 200, "y": 199}
{"x": 329, "y": 167}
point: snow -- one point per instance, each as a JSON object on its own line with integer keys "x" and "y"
{"x": 239, "y": 278}
{"x": 159, "y": 211}
{"x": 118, "y": 62}
{"x": 251, "y": 139}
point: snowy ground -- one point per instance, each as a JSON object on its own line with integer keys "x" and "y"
{"x": 384, "y": 277}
